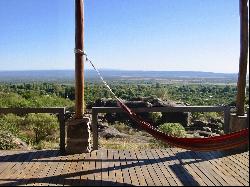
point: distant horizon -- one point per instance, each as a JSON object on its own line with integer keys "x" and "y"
{"x": 107, "y": 69}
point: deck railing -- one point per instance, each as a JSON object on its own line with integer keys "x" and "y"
{"x": 61, "y": 118}
{"x": 97, "y": 110}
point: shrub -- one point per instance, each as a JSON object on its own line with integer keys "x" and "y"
{"x": 11, "y": 123}
{"x": 206, "y": 116}
{"x": 155, "y": 116}
{"x": 6, "y": 140}
{"x": 44, "y": 126}
{"x": 173, "y": 129}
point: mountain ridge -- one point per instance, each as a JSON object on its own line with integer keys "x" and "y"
{"x": 53, "y": 75}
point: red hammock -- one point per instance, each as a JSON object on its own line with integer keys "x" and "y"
{"x": 217, "y": 143}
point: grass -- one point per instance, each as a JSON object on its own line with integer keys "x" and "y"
{"x": 125, "y": 144}
{"x": 136, "y": 140}
{"x": 46, "y": 145}
{"x": 141, "y": 139}
{"x": 123, "y": 128}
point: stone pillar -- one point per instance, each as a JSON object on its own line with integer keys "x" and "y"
{"x": 238, "y": 123}
{"x": 78, "y": 136}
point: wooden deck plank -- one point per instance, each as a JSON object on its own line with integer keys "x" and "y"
{"x": 53, "y": 159}
{"x": 118, "y": 169}
{"x": 137, "y": 169}
{"x": 238, "y": 173}
{"x": 167, "y": 177}
{"x": 16, "y": 168}
{"x": 219, "y": 175}
{"x": 62, "y": 174}
{"x": 219, "y": 170}
{"x": 235, "y": 170}
{"x": 34, "y": 166}
{"x": 222, "y": 179}
{"x": 42, "y": 178}
{"x": 236, "y": 166}
{"x": 21, "y": 171}
{"x": 59, "y": 173}
{"x": 91, "y": 169}
{"x": 105, "y": 164}
{"x": 7, "y": 162}
{"x": 125, "y": 170}
{"x": 56, "y": 164}
{"x": 99, "y": 168}
{"x": 100, "y": 156}
{"x": 179, "y": 170}
{"x": 229, "y": 172}
{"x": 144, "y": 169}
{"x": 38, "y": 165}
{"x": 240, "y": 161}
{"x": 111, "y": 164}
{"x": 131, "y": 169}
{"x": 166, "y": 161}
{"x": 85, "y": 175}
{"x": 70, "y": 169}
{"x": 171, "y": 166}
{"x": 77, "y": 169}
{"x": 206, "y": 169}
{"x": 149, "y": 168}
{"x": 203, "y": 167}
{"x": 97, "y": 171}
{"x": 187, "y": 161}
{"x": 156, "y": 165}
{"x": 240, "y": 164}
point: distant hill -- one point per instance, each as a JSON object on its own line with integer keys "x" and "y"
{"x": 68, "y": 75}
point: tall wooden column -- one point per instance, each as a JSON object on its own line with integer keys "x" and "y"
{"x": 241, "y": 86}
{"x": 78, "y": 128}
{"x": 79, "y": 60}
{"x": 239, "y": 120}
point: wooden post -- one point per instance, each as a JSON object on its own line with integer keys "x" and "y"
{"x": 226, "y": 119}
{"x": 95, "y": 129}
{"x": 62, "y": 130}
{"x": 241, "y": 85}
{"x": 79, "y": 60}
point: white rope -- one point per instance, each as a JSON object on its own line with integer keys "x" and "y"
{"x": 79, "y": 51}
{"x": 104, "y": 82}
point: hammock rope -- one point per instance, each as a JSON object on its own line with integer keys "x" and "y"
{"x": 222, "y": 142}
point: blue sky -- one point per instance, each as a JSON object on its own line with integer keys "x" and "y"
{"x": 197, "y": 35}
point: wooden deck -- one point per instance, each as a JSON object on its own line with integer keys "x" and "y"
{"x": 112, "y": 167}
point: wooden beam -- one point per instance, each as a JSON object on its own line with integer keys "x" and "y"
{"x": 241, "y": 85}
{"x": 79, "y": 60}
{"x": 163, "y": 109}
{"x": 52, "y": 110}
